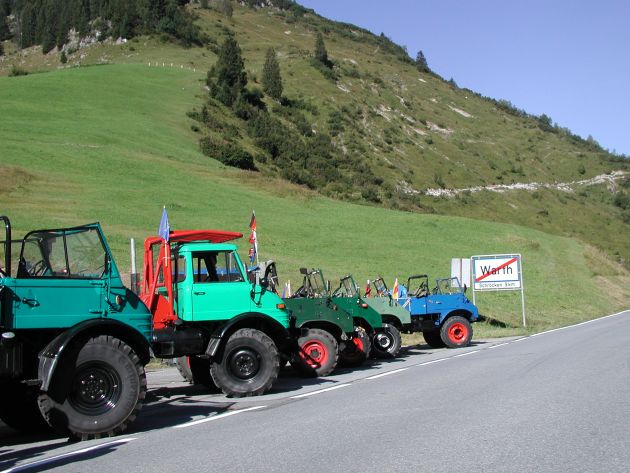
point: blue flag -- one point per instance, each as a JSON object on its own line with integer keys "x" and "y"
{"x": 165, "y": 229}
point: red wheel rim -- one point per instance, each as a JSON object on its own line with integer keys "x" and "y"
{"x": 458, "y": 332}
{"x": 358, "y": 342}
{"x": 314, "y": 353}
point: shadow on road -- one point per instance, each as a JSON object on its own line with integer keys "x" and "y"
{"x": 171, "y": 401}
{"x": 10, "y": 459}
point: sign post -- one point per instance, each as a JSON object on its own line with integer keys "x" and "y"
{"x": 498, "y": 273}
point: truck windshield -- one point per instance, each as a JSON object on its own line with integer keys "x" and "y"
{"x": 349, "y": 287}
{"x": 316, "y": 282}
{"x": 216, "y": 266}
{"x": 76, "y": 253}
{"x": 381, "y": 288}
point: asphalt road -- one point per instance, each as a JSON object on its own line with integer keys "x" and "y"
{"x": 555, "y": 402}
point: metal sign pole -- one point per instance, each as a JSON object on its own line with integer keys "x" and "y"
{"x": 522, "y": 292}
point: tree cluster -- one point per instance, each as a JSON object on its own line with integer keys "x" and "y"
{"x": 285, "y": 138}
{"x": 47, "y": 22}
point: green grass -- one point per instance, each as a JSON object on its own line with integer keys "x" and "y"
{"x": 112, "y": 143}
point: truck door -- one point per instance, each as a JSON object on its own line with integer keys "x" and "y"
{"x": 60, "y": 278}
{"x": 220, "y": 291}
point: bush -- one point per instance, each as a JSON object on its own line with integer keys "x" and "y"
{"x": 622, "y": 200}
{"x": 228, "y": 153}
{"x": 370, "y": 194}
{"x": 17, "y": 71}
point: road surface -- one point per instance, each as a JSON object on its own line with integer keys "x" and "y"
{"x": 554, "y": 402}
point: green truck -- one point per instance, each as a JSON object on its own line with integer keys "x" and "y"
{"x": 382, "y": 312}
{"x": 233, "y": 333}
{"x": 73, "y": 339}
{"x": 321, "y": 321}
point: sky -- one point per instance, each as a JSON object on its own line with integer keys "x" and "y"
{"x": 567, "y": 59}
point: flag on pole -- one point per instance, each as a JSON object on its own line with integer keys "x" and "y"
{"x": 395, "y": 290}
{"x": 164, "y": 229}
{"x": 253, "y": 252}
{"x": 368, "y": 289}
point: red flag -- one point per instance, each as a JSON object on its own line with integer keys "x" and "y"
{"x": 252, "y": 226}
{"x": 253, "y": 252}
{"x": 368, "y": 289}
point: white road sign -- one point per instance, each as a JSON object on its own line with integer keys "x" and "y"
{"x": 497, "y": 272}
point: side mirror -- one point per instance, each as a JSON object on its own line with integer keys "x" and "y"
{"x": 304, "y": 271}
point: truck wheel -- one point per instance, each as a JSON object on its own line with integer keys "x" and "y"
{"x": 19, "y": 409}
{"x": 318, "y": 353}
{"x": 195, "y": 370}
{"x": 183, "y": 366}
{"x": 357, "y": 350}
{"x": 456, "y": 332}
{"x": 103, "y": 393}
{"x": 433, "y": 338}
{"x": 250, "y": 364}
{"x": 386, "y": 343}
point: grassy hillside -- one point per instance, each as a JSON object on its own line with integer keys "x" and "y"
{"x": 112, "y": 143}
{"x": 413, "y": 130}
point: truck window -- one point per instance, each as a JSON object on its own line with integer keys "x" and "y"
{"x": 216, "y": 266}
{"x": 77, "y": 253}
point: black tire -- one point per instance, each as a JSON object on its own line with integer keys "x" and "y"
{"x": 195, "y": 370}
{"x": 106, "y": 388}
{"x": 183, "y": 366}
{"x": 387, "y": 342}
{"x": 317, "y": 353}
{"x": 456, "y": 332}
{"x": 357, "y": 349}
{"x": 433, "y": 338}
{"x": 249, "y": 366}
{"x": 19, "y": 409}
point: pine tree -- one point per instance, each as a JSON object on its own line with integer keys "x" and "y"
{"x": 5, "y": 32}
{"x": 421, "y": 62}
{"x": 321, "y": 54}
{"x": 271, "y": 78}
{"x": 228, "y": 78}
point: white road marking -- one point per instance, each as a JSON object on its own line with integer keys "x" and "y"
{"x": 56, "y": 458}
{"x": 217, "y": 417}
{"x": 387, "y": 373}
{"x": 313, "y": 393}
{"x": 499, "y": 345}
{"x": 466, "y": 354}
{"x": 432, "y": 361}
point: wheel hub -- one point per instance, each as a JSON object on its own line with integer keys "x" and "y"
{"x": 314, "y": 353}
{"x": 96, "y": 389}
{"x": 245, "y": 363}
{"x": 383, "y": 341}
{"x": 457, "y": 332}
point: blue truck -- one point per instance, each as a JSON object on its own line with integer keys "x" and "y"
{"x": 444, "y": 314}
